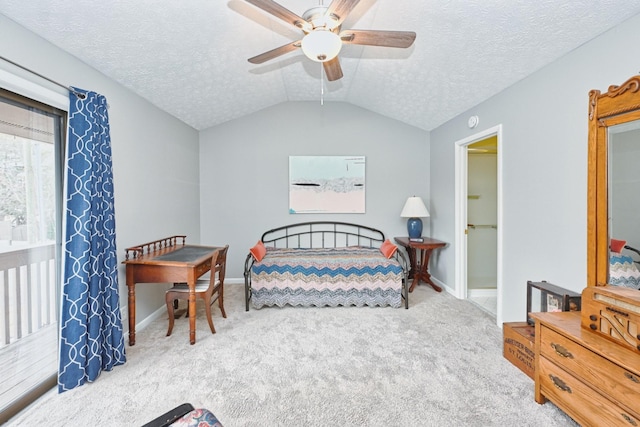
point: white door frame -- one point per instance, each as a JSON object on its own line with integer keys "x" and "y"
{"x": 461, "y": 176}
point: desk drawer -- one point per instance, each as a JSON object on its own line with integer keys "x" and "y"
{"x": 578, "y": 400}
{"x": 203, "y": 268}
{"x": 610, "y": 379}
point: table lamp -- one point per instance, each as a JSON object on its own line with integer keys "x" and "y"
{"x": 414, "y": 209}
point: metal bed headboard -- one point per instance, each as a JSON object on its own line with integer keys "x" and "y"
{"x": 322, "y": 234}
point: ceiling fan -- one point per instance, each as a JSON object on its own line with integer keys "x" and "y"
{"x": 322, "y": 38}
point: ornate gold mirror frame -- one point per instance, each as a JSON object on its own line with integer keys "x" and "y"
{"x": 620, "y": 104}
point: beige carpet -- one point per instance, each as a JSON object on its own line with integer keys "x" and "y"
{"x": 437, "y": 364}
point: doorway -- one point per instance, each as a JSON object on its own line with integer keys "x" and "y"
{"x": 478, "y": 221}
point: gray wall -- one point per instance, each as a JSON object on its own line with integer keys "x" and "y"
{"x": 244, "y": 164}
{"x": 244, "y": 170}
{"x": 155, "y": 156}
{"x": 544, "y": 150}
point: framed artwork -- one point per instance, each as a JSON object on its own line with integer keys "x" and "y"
{"x": 326, "y": 184}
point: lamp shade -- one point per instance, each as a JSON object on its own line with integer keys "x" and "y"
{"x": 414, "y": 208}
{"x": 321, "y": 45}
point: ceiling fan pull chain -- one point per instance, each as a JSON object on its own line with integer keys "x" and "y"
{"x": 321, "y": 84}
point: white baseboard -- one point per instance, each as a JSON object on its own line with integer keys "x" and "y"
{"x": 482, "y": 293}
{"x": 161, "y": 311}
{"x": 443, "y": 285}
{"x": 144, "y": 322}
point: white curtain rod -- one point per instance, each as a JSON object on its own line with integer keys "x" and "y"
{"x": 69, "y": 88}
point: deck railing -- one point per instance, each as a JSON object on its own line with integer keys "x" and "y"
{"x": 27, "y": 291}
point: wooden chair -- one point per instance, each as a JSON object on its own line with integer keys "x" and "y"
{"x": 205, "y": 289}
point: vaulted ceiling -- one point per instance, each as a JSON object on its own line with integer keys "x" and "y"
{"x": 189, "y": 57}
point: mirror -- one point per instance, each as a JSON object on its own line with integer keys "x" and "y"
{"x": 624, "y": 204}
{"x": 613, "y": 174}
{"x": 624, "y": 182}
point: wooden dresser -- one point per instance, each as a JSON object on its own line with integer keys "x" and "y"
{"x": 594, "y": 380}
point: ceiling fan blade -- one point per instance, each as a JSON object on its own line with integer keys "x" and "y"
{"x": 378, "y": 38}
{"x": 281, "y": 12}
{"x": 273, "y": 53}
{"x": 341, "y": 8}
{"x": 332, "y": 69}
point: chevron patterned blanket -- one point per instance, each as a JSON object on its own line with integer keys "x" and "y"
{"x": 623, "y": 271}
{"x": 326, "y": 277}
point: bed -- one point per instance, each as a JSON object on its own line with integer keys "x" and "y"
{"x": 325, "y": 263}
{"x": 623, "y": 270}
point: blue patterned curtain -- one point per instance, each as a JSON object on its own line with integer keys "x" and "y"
{"x": 91, "y": 336}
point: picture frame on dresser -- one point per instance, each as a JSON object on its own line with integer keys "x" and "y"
{"x": 546, "y": 297}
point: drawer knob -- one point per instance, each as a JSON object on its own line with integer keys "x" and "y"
{"x": 628, "y": 419}
{"x": 561, "y": 385}
{"x": 561, "y": 351}
{"x": 593, "y": 317}
{"x": 592, "y": 326}
{"x": 632, "y": 377}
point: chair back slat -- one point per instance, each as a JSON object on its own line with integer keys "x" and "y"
{"x": 218, "y": 266}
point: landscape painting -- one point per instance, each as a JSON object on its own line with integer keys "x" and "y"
{"x": 326, "y": 184}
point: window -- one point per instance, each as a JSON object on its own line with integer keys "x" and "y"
{"x": 32, "y": 136}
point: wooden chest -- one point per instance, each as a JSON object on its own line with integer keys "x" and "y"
{"x": 519, "y": 346}
{"x": 613, "y": 312}
{"x": 594, "y": 380}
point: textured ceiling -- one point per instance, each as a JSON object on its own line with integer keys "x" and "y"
{"x": 190, "y": 57}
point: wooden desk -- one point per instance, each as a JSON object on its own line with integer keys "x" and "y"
{"x": 420, "y": 266}
{"x": 167, "y": 260}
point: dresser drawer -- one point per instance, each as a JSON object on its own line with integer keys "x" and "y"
{"x": 619, "y": 384}
{"x": 582, "y": 403}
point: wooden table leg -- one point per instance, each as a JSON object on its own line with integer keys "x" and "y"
{"x": 192, "y": 312}
{"x": 423, "y": 272}
{"x": 132, "y": 309}
{"x": 416, "y": 280}
{"x": 412, "y": 262}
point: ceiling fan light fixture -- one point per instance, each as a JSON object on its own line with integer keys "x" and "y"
{"x": 318, "y": 17}
{"x": 321, "y": 45}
